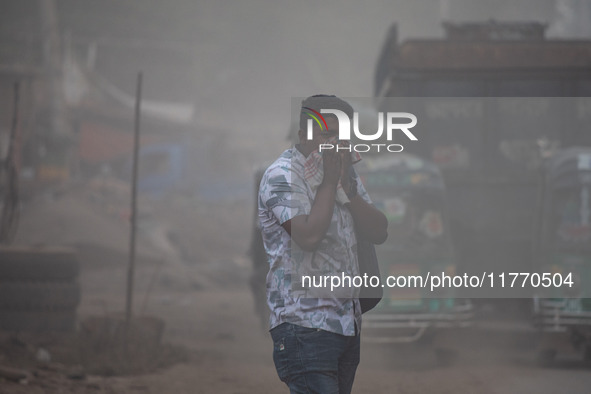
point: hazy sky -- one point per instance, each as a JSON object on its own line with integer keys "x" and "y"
{"x": 240, "y": 62}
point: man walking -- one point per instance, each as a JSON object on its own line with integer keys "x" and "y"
{"x": 312, "y": 208}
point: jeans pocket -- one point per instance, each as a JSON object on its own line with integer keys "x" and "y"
{"x": 281, "y": 356}
{"x": 306, "y": 331}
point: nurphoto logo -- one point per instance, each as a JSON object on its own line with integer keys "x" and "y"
{"x": 345, "y": 130}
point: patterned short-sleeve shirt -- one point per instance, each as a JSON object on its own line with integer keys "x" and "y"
{"x": 283, "y": 195}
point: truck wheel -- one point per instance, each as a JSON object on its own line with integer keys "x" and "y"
{"x": 39, "y": 295}
{"x": 546, "y": 357}
{"x": 42, "y": 264}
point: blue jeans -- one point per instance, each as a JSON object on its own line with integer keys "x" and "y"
{"x": 310, "y": 360}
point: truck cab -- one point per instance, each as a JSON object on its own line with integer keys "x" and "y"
{"x": 509, "y": 87}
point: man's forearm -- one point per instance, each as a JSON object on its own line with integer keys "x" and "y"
{"x": 321, "y": 211}
{"x": 309, "y": 230}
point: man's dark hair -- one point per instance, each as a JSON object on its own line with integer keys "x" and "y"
{"x": 323, "y": 101}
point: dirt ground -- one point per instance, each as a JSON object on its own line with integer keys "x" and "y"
{"x": 204, "y": 299}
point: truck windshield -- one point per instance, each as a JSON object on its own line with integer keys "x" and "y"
{"x": 416, "y": 224}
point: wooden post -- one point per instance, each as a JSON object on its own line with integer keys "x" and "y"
{"x": 133, "y": 218}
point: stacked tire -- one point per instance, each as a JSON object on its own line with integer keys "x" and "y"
{"x": 39, "y": 289}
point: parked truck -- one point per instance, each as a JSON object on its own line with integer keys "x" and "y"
{"x": 519, "y": 97}
{"x": 562, "y": 252}
{"x": 411, "y": 193}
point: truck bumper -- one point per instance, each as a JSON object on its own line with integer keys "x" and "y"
{"x": 410, "y": 327}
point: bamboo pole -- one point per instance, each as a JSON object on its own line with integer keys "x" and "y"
{"x": 133, "y": 218}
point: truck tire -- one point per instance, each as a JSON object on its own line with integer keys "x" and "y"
{"x": 38, "y": 321}
{"x": 39, "y": 295}
{"x": 42, "y": 264}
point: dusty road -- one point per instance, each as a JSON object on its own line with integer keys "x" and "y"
{"x": 208, "y": 309}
